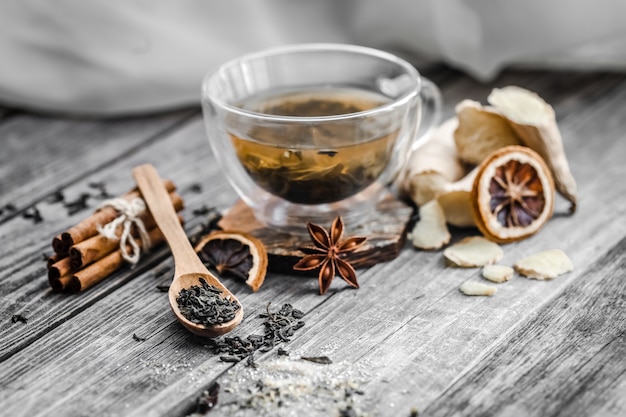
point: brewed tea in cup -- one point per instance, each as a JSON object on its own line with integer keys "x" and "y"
{"x": 308, "y": 132}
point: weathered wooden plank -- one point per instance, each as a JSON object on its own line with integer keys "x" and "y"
{"x": 42, "y": 154}
{"x": 448, "y": 331}
{"x": 24, "y": 287}
{"x": 92, "y": 364}
{"x": 565, "y": 361}
{"x": 426, "y": 332}
{"x": 433, "y": 323}
{"x": 423, "y": 323}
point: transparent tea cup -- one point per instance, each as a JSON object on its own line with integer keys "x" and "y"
{"x": 307, "y": 132}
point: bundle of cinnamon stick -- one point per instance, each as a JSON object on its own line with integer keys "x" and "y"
{"x": 82, "y": 257}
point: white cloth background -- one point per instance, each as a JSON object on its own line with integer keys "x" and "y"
{"x": 104, "y": 58}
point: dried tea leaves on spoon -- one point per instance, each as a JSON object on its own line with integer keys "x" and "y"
{"x": 204, "y": 304}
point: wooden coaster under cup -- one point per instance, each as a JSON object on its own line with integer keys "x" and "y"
{"x": 386, "y": 235}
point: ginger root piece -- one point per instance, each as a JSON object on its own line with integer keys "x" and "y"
{"x": 455, "y": 200}
{"x": 543, "y": 265}
{"x": 481, "y": 131}
{"x": 534, "y": 122}
{"x": 432, "y": 166}
{"x": 477, "y": 288}
{"x": 430, "y": 232}
{"x": 497, "y": 273}
{"x": 473, "y": 251}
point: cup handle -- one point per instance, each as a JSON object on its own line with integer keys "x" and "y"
{"x": 430, "y": 112}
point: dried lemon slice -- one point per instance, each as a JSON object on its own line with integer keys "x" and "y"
{"x": 512, "y": 195}
{"x": 237, "y": 254}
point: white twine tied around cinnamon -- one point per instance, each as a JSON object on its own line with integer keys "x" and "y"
{"x": 129, "y": 215}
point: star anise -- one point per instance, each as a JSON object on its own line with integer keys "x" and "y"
{"x": 328, "y": 254}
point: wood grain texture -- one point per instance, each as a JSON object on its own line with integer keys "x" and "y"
{"x": 569, "y": 359}
{"x": 41, "y": 154}
{"x": 417, "y": 340}
{"x": 23, "y": 284}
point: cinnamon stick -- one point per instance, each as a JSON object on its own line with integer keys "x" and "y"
{"x": 59, "y": 269}
{"x": 61, "y": 283}
{"x": 54, "y": 258}
{"x": 96, "y": 247}
{"x": 61, "y": 278}
{"x": 87, "y": 228}
{"x": 96, "y": 272}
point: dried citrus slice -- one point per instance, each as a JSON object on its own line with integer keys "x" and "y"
{"x": 237, "y": 254}
{"x": 512, "y": 195}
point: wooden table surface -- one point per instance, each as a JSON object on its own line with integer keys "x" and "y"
{"x": 407, "y": 342}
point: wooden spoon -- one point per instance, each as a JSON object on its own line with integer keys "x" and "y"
{"x": 188, "y": 268}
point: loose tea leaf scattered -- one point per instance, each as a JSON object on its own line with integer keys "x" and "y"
{"x": 138, "y": 338}
{"x": 56, "y": 197}
{"x": 204, "y": 304}
{"x": 163, "y": 288}
{"x": 213, "y": 216}
{"x": 77, "y": 205}
{"x": 208, "y": 399}
{"x": 348, "y": 412}
{"x": 324, "y": 360}
{"x": 18, "y": 317}
{"x": 279, "y": 327}
{"x": 202, "y": 211}
{"x": 103, "y": 194}
{"x": 33, "y": 214}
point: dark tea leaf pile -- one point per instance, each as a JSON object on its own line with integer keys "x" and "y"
{"x": 280, "y": 326}
{"x": 204, "y": 304}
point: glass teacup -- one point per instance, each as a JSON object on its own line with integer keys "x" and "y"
{"x": 308, "y": 132}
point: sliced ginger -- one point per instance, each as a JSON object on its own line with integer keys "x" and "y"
{"x": 473, "y": 251}
{"x": 497, "y": 273}
{"x": 455, "y": 200}
{"x": 543, "y": 265}
{"x": 477, "y": 288}
{"x": 430, "y": 232}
